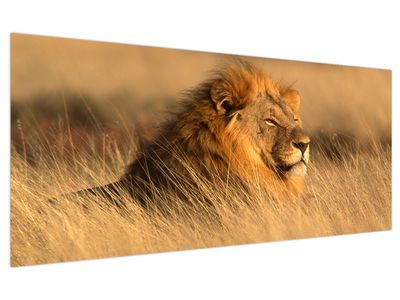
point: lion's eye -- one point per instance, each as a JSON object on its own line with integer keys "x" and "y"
{"x": 296, "y": 120}
{"x": 271, "y": 122}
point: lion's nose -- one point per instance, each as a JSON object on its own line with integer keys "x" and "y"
{"x": 302, "y": 144}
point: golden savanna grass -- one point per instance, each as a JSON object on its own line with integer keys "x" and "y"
{"x": 345, "y": 194}
{"x": 81, "y": 109}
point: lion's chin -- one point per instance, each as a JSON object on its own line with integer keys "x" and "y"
{"x": 299, "y": 169}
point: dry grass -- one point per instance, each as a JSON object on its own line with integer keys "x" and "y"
{"x": 98, "y": 97}
{"x": 346, "y": 193}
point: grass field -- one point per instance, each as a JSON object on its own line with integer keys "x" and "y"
{"x": 349, "y": 192}
{"x": 80, "y": 109}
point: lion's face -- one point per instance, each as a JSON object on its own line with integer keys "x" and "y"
{"x": 266, "y": 119}
{"x": 274, "y": 129}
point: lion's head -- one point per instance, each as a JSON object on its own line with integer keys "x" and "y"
{"x": 263, "y": 117}
{"x": 239, "y": 122}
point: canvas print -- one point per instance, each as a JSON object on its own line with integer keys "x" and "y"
{"x": 121, "y": 149}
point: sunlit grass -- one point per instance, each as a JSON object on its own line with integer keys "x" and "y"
{"x": 346, "y": 194}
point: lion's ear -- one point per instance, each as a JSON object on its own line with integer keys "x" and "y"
{"x": 293, "y": 99}
{"x": 221, "y": 98}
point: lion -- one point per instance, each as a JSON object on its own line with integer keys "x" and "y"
{"x": 239, "y": 125}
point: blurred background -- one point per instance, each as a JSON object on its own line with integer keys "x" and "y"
{"x": 75, "y": 90}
